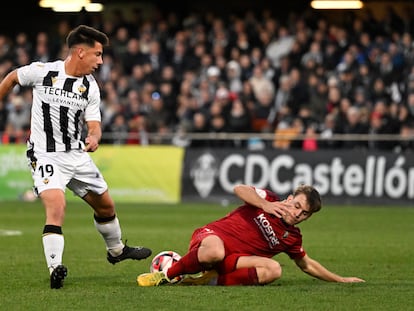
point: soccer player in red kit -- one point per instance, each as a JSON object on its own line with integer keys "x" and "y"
{"x": 238, "y": 248}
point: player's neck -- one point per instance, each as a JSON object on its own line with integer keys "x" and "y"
{"x": 70, "y": 67}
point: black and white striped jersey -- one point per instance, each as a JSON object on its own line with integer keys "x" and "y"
{"x": 61, "y": 104}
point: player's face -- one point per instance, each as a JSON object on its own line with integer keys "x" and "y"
{"x": 91, "y": 57}
{"x": 299, "y": 210}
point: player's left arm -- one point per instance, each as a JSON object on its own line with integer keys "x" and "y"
{"x": 94, "y": 136}
{"x": 315, "y": 269}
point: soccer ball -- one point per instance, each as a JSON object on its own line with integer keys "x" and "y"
{"x": 163, "y": 261}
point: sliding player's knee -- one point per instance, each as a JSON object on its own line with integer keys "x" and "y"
{"x": 212, "y": 254}
{"x": 270, "y": 272}
{"x": 276, "y": 270}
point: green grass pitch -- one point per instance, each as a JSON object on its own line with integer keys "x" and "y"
{"x": 374, "y": 243}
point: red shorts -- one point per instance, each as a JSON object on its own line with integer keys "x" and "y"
{"x": 201, "y": 233}
{"x": 198, "y": 236}
{"x": 230, "y": 246}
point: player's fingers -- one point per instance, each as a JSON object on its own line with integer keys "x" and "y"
{"x": 90, "y": 147}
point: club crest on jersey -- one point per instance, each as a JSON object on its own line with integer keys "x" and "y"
{"x": 82, "y": 88}
{"x": 46, "y": 181}
{"x": 54, "y": 79}
{"x": 285, "y": 235}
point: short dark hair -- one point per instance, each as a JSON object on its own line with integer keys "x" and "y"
{"x": 312, "y": 197}
{"x": 83, "y": 34}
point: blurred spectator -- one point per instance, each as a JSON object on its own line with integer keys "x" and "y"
{"x": 407, "y": 142}
{"x": 129, "y": 53}
{"x": 286, "y": 135}
{"x": 157, "y": 116}
{"x": 314, "y": 54}
{"x": 42, "y": 51}
{"x": 299, "y": 91}
{"x": 407, "y": 48}
{"x": 354, "y": 126}
{"x": 387, "y": 70}
{"x": 137, "y": 134}
{"x": 331, "y": 56}
{"x": 327, "y": 131}
{"x": 22, "y": 50}
{"x": 5, "y": 48}
{"x": 282, "y": 98}
{"x": 239, "y": 120}
{"x": 104, "y": 73}
{"x": 318, "y": 95}
{"x": 233, "y": 74}
{"x": 156, "y": 56}
{"x": 347, "y": 83}
{"x": 379, "y": 91}
{"x": 18, "y": 119}
{"x": 179, "y": 59}
{"x": 360, "y": 98}
{"x": 246, "y": 67}
{"x": 310, "y": 142}
{"x": 364, "y": 78}
{"x": 22, "y": 42}
{"x": 260, "y": 83}
{"x": 214, "y": 79}
{"x": 118, "y": 130}
{"x": 261, "y": 111}
{"x": 119, "y": 42}
{"x": 137, "y": 78}
{"x": 199, "y": 125}
{"x": 281, "y": 46}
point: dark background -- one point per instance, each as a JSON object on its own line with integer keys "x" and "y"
{"x": 26, "y": 15}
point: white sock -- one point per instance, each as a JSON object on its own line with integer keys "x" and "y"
{"x": 111, "y": 233}
{"x": 53, "y": 245}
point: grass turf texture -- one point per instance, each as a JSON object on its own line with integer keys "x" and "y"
{"x": 374, "y": 243}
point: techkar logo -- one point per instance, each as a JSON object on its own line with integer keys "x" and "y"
{"x": 203, "y": 173}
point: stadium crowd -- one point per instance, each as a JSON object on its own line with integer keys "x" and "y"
{"x": 253, "y": 73}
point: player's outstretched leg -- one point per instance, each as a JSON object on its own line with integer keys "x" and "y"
{"x": 128, "y": 252}
{"x": 152, "y": 279}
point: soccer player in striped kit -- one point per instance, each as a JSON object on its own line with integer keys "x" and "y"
{"x": 65, "y": 97}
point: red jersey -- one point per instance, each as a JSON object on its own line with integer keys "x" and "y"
{"x": 251, "y": 231}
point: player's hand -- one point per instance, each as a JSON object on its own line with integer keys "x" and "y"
{"x": 279, "y": 209}
{"x": 352, "y": 279}
{"x": 91, "y": 144}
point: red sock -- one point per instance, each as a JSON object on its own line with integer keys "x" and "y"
{"x": 186, "y": 265}
{"x": 228, "y": 264}
{"x": 244, "y": 276}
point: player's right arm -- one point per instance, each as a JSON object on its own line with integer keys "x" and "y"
{"x": 257, "y": 197}
{"x": 317, "y": 270}
{"x": 8, "y": 83}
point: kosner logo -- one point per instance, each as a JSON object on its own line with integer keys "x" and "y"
{"x": 373, "y": 176}
{"x": 266, "y": 228}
